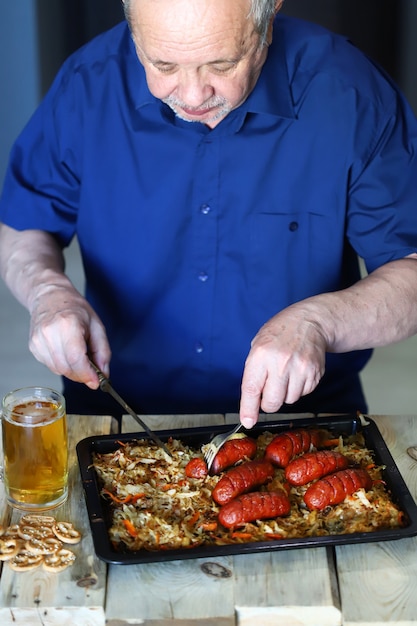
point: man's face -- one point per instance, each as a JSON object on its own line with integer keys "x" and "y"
{"x": 201, "y": 57}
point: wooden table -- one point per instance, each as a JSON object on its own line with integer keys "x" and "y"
{"x": 362, "y": 585}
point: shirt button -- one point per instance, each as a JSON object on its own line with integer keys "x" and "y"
{"x": 199, "y": 347}
{"x": 293, "y": 226}
{"x": 205, "y": 209}
{"x": 203, "y": 277}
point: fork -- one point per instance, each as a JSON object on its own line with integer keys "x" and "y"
{"x": 212, "y": 448}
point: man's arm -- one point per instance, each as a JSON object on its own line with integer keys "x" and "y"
{"x": 287, "y": 356}
{"x": 64, "y": 327}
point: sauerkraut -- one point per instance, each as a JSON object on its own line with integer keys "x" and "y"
{"x": 155, "y": 506}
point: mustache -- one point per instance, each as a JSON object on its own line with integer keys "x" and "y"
{"x": 214, "y": 102}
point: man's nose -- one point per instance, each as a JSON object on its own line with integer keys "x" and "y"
{"x": 193, "y": 90}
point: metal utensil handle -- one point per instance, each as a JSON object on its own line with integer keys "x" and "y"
{"x": 105, "y": 385}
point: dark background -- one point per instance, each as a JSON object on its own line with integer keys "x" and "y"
{"x": 373, "y": 25}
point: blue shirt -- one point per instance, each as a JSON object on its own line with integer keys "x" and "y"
{"x": 193, "y": 238}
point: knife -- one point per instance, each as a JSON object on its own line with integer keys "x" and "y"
{"x": 105, "y": 385}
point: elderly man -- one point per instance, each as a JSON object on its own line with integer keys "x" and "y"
{"x": 220, "y": 256}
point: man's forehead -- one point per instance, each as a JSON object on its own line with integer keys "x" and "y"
{"x": 225, "y": 31}
{"x": 183, "y": 17}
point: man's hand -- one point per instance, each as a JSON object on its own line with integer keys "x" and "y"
{"x": 286, "y": 361}
{"x": 63, "y": 330}
{"x": 64, "y": 327}
{"x": 287, "y": 357}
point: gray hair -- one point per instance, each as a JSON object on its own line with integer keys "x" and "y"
{"x": 262, "y": 11}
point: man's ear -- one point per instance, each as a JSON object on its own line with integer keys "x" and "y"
{"x": 278, "y": 6}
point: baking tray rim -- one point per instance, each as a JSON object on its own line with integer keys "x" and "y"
{"x": 96, "y": 506}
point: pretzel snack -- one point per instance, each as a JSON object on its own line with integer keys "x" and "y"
{"x": 38, "y": 539}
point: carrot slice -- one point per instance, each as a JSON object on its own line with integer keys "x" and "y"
{"x": 130, "y": 528}
{"x": 125, "y": 500}
{"x": 210, "y": 526}
{"x": 240, "y": 535}
{"x": 194, "y": 518}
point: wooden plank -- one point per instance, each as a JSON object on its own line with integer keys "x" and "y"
{"x": 51, "y": 615}
{"x": 287, "y": 587}
{"x": 76, "y": 595}
{"x": 377, "y": 581}
{"x": 260, "y": 589}
{"x": 233, "y": 418}
{"x": 291, "y": 616}
{"x": 400, "y": 432}
{"x": 281, "y": 588}
{"x": 164, "y": 622}
{"x": 254, "y": 589}
{"x": 173, "y": 593}
{"x": 167, "y": 422}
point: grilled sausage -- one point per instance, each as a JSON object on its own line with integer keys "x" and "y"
{"x": 196, "y": 468}
{"x": 231, "y": 452}
{"x": 242, "y": 479}
{"x": 288, "y": 445}
{"x": 314, "y": 465}
{"x": 253, "y": 506}
{"x": 334, "y": 489}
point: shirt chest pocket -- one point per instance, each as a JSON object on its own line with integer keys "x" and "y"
{"x": 293, "y": 255}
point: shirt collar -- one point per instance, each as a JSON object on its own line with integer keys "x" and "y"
{"x": 142, "y": 95}
{"x": 272, "y": 93}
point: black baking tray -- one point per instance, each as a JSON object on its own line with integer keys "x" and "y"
{"x": 99, "y": 512}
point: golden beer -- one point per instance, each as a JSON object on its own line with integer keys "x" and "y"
{"x": 35, "y": 448}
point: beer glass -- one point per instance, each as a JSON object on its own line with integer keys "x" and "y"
{"x": 35, "y": 448}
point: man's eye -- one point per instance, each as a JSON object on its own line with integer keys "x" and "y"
{"x": 223, "y": 68}
{"x": 165, "y": 69}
